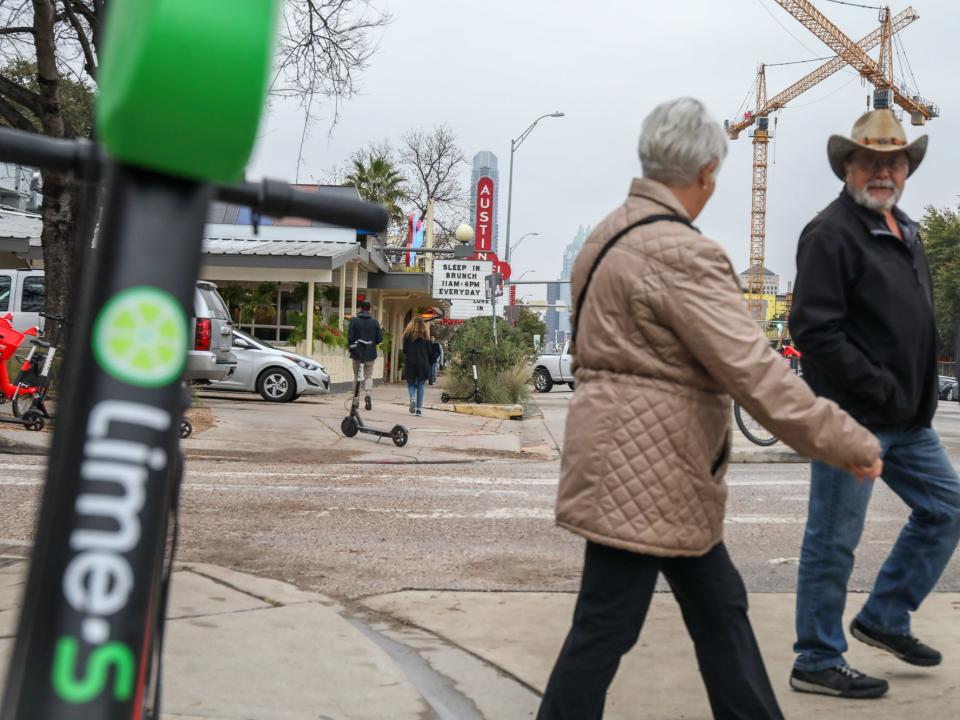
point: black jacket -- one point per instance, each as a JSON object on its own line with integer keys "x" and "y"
{"x": 363, "y": 326}
{"x": 863, "y": 316}
{"x": 416, "y": 359}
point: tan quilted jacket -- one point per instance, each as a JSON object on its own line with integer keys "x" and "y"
{"x": 664, "y": 340}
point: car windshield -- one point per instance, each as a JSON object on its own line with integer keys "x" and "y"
{"x": 253, "y": 340}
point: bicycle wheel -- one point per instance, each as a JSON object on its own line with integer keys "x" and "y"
{"x": 754, "y": 431}
{"x": 22, "y": 404}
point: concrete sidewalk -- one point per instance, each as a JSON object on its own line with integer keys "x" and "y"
{"x": 245, "y": 648}
{"x": 247, "y": 427}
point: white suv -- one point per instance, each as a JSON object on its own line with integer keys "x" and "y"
{"x": 212, "y": 330}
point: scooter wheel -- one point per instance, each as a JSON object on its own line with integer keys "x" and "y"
{"x": 444, "y": 397}
{"x": 186, "y": 428}
{"x": 33, "y": 420}
{"x": 349, "y": 426}
{"x": 477, "y": 397}
{"x": 399, "y": 435}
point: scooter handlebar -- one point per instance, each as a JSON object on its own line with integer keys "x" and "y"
{"x": 275, "y": 198}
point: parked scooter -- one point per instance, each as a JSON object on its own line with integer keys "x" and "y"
{"x": 476, "y": 397}
{"x": 34, "y": 380}
{"x": 353, "y": 423}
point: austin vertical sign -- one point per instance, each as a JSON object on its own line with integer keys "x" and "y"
{"x": 484, "y": 221}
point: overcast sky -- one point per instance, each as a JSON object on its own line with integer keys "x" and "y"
{"x": 488, "y": 69}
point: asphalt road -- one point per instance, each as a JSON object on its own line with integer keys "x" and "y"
{"x": 354, "y": 530}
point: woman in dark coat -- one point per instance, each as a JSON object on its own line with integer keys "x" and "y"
{"x": 416, "y": 351}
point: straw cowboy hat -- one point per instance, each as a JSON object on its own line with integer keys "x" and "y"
{"x": 879, "y": 131}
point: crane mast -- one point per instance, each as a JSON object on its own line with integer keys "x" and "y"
{"x": 851, "y": 53}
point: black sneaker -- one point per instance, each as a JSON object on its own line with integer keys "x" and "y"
{"x": 906, "y": 647}
{"x": 840, "y": 681}
{"x": 368, "y": 403}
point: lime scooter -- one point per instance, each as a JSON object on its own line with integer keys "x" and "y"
{"x": 89, "y": 641}
{"x": 476, "y": 397}
{"x": 353, "y": 423}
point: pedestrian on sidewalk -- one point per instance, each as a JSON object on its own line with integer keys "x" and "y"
{"x": 416, "y": 354}
{"x": 863, "y": 319}
{"x": 366, "y": 328}
{"x": 660, "y": 342}
{"x": 436, "y": 355}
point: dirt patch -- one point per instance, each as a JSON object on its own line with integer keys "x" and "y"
{"x": 499, "y": 454}
{"x": 202, "y": 419}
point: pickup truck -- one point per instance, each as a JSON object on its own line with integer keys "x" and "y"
{"x": 553, "y": 369}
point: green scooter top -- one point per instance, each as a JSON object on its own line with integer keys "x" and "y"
{"x": 178, "y": 99}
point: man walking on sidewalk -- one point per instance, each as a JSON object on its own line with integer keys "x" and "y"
{"x": 366, "y": 328}
{"x": 863, "y": 318}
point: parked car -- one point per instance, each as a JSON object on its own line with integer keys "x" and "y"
{"x": 278, "y": 375}
{"x": 212, "y": 330}
{"x": 948, "y": 388}
{"x": 23, "y": 293}
{"x": 553, "y": 369}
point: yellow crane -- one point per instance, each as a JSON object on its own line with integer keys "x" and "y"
{"x": 854, "y": 54}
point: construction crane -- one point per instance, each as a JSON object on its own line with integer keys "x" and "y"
{"x": 848, "y": 53}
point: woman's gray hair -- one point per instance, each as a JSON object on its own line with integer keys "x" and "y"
{"x": 677, "y": 139}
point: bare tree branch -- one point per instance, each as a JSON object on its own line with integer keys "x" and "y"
{"x": 433, "y": 162}
{"x": 322, "y": 44}
{"x": 90, "y": 58}
{"x": 16, "y": 30}
{"x": 20, "y": 95}
{"x": 14, "y": 117}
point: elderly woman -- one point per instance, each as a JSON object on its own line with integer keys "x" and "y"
{"x": 662, "y": 340}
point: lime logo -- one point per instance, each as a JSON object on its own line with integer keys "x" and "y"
{"x": 80, "y": 690}
{"x": 140, "y": 337}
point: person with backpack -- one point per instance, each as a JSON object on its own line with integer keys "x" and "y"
{"x": 366, "y": 328}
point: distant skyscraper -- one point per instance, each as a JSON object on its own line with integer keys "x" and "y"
{"x": 485, "y": 165}
{"x": 569, "y": 258}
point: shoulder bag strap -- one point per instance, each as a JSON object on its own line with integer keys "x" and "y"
{"x": 606, "y": 248}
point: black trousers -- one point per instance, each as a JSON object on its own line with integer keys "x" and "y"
{"x": 615, "y": 594}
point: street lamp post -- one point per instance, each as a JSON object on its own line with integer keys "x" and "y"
{"x": 514, "y": 144}
{"x": 517, "y": 244}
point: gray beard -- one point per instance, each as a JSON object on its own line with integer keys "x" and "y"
{"x": 863, "y": 197}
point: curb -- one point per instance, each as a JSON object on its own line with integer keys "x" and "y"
{"x": 497, "y": 412}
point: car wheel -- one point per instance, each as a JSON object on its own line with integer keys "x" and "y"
{"x": 954, "y": 393}
{"x": 571, "y": 386}
{"x": 276, "y": 385}
{"x": 541, "y": 381}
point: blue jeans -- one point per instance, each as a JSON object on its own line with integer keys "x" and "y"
{"x": 415, "y": 391}
{"x": 916, "y": 468}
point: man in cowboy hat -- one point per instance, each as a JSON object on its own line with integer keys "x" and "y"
{"x": 863, "y": 318}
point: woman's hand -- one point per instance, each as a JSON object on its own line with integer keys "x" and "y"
{"x": 866, "y": 472}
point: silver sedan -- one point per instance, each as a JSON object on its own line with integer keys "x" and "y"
{"x": 278, "y": 375}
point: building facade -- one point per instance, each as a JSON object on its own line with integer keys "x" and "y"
{"x": 771, "y": 281}
{"x": 569, "y": 258}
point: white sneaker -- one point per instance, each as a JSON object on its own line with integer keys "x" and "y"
{"x": 413, "y": 406}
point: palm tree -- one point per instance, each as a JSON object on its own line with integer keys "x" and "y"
{"x": 376, "y": 179}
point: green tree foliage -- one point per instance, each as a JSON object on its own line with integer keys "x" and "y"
{"x": 76, "y": 98}
{"x": 530, "y": 324}
{"x": 503, "y": 369}
{"x": 940, "y": 229}
{"x": 377, "y": 180}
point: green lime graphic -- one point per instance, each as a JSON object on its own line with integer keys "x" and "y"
{"x": 140, "y": 337}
